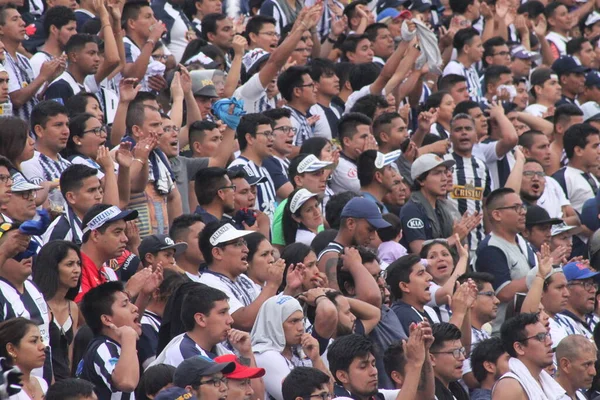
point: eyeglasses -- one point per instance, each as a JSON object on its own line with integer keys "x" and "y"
{"x": 518, "y": 208}
{"x": 540, "y": 337}
{"x": 310, "y": 85}
{"x": 456, "y": 353}
{"x": 227, "y": 187}
{"x": 286, "y": 129}
{"x": 501, "y": 53}
{"x": 28, "y": 195}
{"x": 380, "y": 274}
{"x": 531, "y": 174}
{"x": 322, "y": 396}
{"x": 587, "y": 285}
{"x": 169, "y": 129}
{"x": 160, "y": 57}
{"x": 237, "y": 243}
{"x": 97, "y": 131}
{"x": 270, "y": 34}
{"x": 216, "y": 382}
{"x": 268, "y": 134}
{"x": 487, "y": 294}
{"x": 5, "y": 179}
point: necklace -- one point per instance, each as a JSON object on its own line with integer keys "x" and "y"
{"x": 31, "y": 389}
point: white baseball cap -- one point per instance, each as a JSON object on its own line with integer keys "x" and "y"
{"x": 227, "y": 233}
{"x": 383, "y": 160}
{"x": 300, "y": 198}
{"x": 311, "y": 164}
{"x": 426, "y": 163}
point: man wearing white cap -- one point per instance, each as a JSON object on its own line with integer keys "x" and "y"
{"x": 103, "y": 239}
{"x": 226, "y": 255}
{"x": 376, "y": 175}
{"x": 425, "y": 216}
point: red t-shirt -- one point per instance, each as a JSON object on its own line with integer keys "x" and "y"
{"x": 92, "y": 276}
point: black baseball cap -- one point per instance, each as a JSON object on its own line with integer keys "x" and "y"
{"x": 190, "y": 371}
{"x": 155, "y": 243}
{"x": 536, "y": 215}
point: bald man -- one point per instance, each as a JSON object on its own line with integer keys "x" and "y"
{"x": 576, "y": 357}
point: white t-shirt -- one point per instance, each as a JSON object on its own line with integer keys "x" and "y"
{"x": 241, "y": 292}
{"x": 553, "y": 199}
{"x": 353, "y": 98}
{"x": 345, "y": 177}
{"x": 251, "y": 92}
{"x": 277, "y": 367}
{"x": 304, "y": 236}
{"x": 536, "y": 109}
{"x": 24, "y": 396}
{"x": 178, "y": 33}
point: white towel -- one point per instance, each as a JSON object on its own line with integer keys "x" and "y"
{"x": 430, "y": 51}
{"x": 550, "y": 389}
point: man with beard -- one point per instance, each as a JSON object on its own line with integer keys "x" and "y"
{"x": 376, "y": 175}
{"x": 447, "y": 357}
{"x": 583, "y": 285}
{"x": 543, "y": 190}
{"x": 489, "y": 362}
{"x": 471, "y": 178}
{"x": 525, "y": 339}
{"x": 226, "y": 255}
{"x": 576, "y": 357}
{"x": 360, "y": 219}
{"x": 354, "y": 316}
{"x": 484, "y": 310}
{"x": 499, "y": 253}
{"x": 215, "y": 194}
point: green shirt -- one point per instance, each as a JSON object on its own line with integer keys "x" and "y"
{"x": 277, "y": 230}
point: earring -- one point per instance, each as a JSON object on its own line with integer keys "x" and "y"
{"x": 13, "y": 355}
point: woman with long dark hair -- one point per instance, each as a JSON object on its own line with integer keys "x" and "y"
{"x": 57, "y": 274}
{"x": 21, "y": 345}
{"x": 301, "y": 217}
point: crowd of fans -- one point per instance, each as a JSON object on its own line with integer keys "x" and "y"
{"x": 299, "y": 199}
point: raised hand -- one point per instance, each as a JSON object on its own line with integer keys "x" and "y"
{"x": 414, "y": 346}
{"x": 157, "y": 30}
{"x": 426, "y": 119}
{"x": 275, "y": 272}
{"x": 128, "y": 89}
{"x": 143, "y": 148}
{"x": 123, "y": 155}
{"x": 124, "y": 333}
{"x": 240, "y": 341}
{"x": 239, "y": 45}
{"x": 463, "y": 251}
{"x": 351, "y": 258}
{"x": 104, "y": 159}
{"x": 545, "y": 264}
{"x": 540, "y": 25}
{"x": 310, "y": 346}
{"x": 176, "y": 88}
{"x": 310, "y": 296}
{"x": 132, "y": 231}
